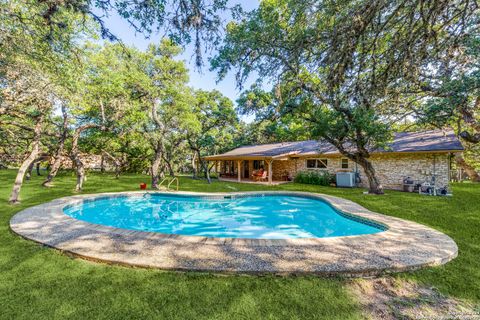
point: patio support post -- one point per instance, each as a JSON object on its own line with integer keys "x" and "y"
{"x": 269, "y": 162}
{"x": 239, "y": 170}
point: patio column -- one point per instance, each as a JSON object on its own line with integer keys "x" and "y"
{"x": 239, "y": 170}
{"x": 269, "y": 162}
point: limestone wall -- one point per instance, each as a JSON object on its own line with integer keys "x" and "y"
{"x": 391, "y": 168}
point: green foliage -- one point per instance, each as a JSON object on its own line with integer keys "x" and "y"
{"x": 321, "y": 178}
{"x": 217, "y": 123}
{"x": 184, "y": 21}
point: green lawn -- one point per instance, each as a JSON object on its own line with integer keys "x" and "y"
{"x": 41, "y": 283}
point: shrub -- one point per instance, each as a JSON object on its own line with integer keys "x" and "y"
{"x": 322, "y": 178}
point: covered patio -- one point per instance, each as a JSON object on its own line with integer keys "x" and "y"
{"x": 245, "y": 169}
{"x": 279, "y": 160}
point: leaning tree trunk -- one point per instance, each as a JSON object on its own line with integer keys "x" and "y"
{"x": 55, "y": 167}
{"x": 374, "y": 186}
{"x": 469, "y": 170}
{"x": 115, "y": 161}
{"x": 361, "y": 158}
{"x": 14, "y": 196}
{"x": 207, "y": 171}
{"x": 28, "y": 175}
{"x": 155, "y": 169}
{"x": 75, "y": 156}
{"x": 169, "y": 167}
{"x": 57, "y": 163}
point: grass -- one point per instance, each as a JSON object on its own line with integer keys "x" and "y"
{"x": 41, "y": 283}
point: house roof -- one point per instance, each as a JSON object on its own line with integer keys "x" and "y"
{"x": 408, "y": 142}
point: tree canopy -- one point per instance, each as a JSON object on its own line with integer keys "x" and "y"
{"x": 344, "y": 71}
{"x": 342, "y": 65}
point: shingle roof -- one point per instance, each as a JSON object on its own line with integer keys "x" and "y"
{"x": 423, "y": 141}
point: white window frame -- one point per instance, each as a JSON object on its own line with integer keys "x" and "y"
{"x": 341, "y": 163}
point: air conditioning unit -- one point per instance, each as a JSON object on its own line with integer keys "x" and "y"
{"x": 345, "y": 179}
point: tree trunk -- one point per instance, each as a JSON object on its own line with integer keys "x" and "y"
{"x": 55, "y": 167}
{"x": 38, "y": 168}
{"x": 102, "y": 164}
{"x": 116, "y": 163}
{"x": 57, "y": 163}
{"x": 374, "y": 186}
{"x": 207, "y": 173}
{"x": 155, "y": 169}
{"x": 169, "y": 167}
{"x": 80, "y": 174}
{"x": 469, "y": 170}
{"x": 74, "y": 155}
{"x": 29, "y": 170}
{"x": 194, "y": 165}
{"x": 17, "y": 186}
{"x": 162, "y": 170}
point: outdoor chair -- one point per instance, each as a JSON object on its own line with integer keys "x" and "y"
{"x": 263, "y": 177}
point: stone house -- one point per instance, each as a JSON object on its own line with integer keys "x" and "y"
{"x": 418, "y": 155}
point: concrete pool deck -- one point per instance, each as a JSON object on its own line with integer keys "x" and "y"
{"x": 403, "y": 246}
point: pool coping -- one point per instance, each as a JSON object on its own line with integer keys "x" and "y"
{"x": 405, "y": 245}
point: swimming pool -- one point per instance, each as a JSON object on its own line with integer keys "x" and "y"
{"x": 255, "y": 217}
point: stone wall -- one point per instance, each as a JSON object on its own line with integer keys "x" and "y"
{"x": 282, "y": 167}
{"x": 391, "y": 168}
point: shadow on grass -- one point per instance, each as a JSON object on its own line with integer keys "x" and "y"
{"x": 40, "y": 283}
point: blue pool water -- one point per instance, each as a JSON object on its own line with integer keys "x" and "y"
{"x": 259, "y": 217}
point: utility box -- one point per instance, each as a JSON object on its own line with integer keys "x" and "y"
{"x": 345, "y": 179}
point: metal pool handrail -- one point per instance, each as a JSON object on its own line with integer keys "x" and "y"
{"x": 174, "y": 179}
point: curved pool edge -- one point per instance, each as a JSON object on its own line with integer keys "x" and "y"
{"x": 231, "y": 195}
{"x": 404, "y": 246}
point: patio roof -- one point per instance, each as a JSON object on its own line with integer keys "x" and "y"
{"x": 435, "y": 141}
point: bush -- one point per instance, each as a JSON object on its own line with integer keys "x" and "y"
{"x": 322, "y": 178}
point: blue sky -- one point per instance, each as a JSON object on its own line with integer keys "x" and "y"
{"x": 199, "y": 80}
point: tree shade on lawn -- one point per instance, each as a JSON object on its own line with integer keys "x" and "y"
{"x": 41, "y": 283}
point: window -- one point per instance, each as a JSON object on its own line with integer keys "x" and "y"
{"x": 322, "y": 163}
{"x": 317, "y": 163}
{"x": 257, "y": 164}
{"x": 344, "y": 163}
{"x": 311, "y": 163}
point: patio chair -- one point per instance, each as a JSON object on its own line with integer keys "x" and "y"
{"x": 264, "y": 176}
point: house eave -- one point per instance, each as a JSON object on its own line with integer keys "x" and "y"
{"x": 296, "y": 155}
